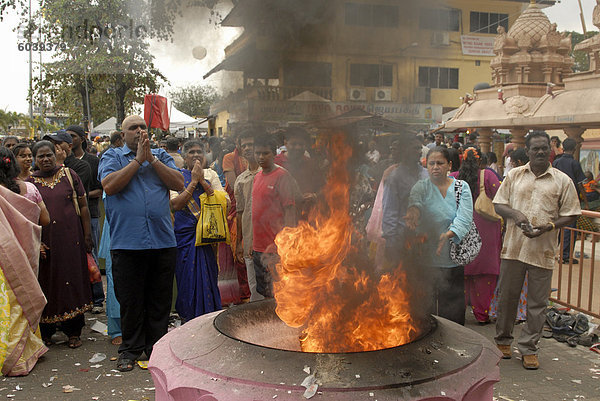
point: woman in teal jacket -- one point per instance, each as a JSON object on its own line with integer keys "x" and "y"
{"x": 434, "y": 212}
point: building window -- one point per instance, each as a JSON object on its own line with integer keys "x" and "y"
{"x": 371, "y": 75}
{"x": 376, "y": 15}
{"x": 301, "y": 73}
{"x": 439, "y": 78}
{"x": 447, "y": 19}
{"x": 487, "y": 22}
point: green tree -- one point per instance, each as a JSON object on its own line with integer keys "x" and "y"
{"x": 158, "y": 15}
{"x": 582, "y": 60}
{"x": 9, "y": 119}
{"x": 194, "y": 100}
{"x": 67, "y": 95}
{"x": 106, "y": 45}
{"x": 105, "y": 53}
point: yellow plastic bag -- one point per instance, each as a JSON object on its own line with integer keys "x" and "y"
{"x": 212, "y": 224}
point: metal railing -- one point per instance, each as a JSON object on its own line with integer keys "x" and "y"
{"x": 577, "y": 283}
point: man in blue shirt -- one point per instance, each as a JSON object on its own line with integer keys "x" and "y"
{"x": 571, "y": 167}
{"x": 137, "y": 181}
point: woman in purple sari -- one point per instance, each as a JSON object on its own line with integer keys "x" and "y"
{"x": 64, "y": 275}
{"x": 196, "y": 270}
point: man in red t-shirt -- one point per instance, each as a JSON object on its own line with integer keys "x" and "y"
{"x": 273, "y": 208}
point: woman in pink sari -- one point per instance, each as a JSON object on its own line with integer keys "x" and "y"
{"x": 21, "y": 298}
{"x": 482, "y": 273}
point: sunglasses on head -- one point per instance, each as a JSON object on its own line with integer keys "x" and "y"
{"x": 136, "y": 126}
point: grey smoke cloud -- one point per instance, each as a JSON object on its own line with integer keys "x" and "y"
{"x": 191, "y": 29}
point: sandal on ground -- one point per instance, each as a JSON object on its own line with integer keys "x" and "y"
{"x": 547, "y": 332}
{"x": 581, "y": 324}
{"x": 74, "y": 342}
{"x": 572, "y": 341}
{"x": 117, "y": 340}
{"x": 561, "y": 337}
{"x": 587, "y": 340}
{"x": 47, "y": 341}
{"x": 125, "y": 364}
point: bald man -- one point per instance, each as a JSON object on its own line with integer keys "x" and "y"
{"x": 137, "y": 181}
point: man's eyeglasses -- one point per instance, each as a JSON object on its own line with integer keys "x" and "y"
{"x": 136, "y": 126}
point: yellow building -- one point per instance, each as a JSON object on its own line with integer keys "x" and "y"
{"x": 409, "y": 61}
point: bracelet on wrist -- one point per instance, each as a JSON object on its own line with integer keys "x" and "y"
{"x": 553, "y": 226}
{"x": 138, "y": 162}
{"x": 154, "y": 161}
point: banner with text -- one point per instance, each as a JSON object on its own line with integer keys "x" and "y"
{"x": 290, "y": 111}
{"x": 477, "y": 45}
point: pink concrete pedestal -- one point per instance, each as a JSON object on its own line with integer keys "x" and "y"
{"x": 198, "y": 362}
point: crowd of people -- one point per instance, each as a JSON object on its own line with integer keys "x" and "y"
{"x": 509, "y": 280}
{"x": 154, "y": 194}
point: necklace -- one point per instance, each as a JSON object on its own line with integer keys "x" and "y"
{"x": 50, "y": 182}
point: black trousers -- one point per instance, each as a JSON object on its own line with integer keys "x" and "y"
{"x": 570, "y": 236}
{"x": 98, "y": 294}
{"x": 71, "y": 327}
{"x": 264, "y": 267}
{"x": 144, "y": 288}
{"x": 448, "y": 290}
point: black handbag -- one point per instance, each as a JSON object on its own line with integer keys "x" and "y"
{"x": 465, "y": 251}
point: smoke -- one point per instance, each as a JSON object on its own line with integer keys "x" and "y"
{"x": 194, "y": 26}
{"x": 314, "y": 43}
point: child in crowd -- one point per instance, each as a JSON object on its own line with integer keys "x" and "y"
{"x": 590, "y": 185}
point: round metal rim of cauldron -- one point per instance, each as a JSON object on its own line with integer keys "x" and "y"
{"x": 201, "y": 350}
{"x": 428, "y": 325}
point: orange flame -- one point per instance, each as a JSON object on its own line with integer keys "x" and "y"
{"x": 340, "y": 308}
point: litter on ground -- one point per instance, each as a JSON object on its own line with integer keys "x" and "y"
{"x": 97, "y": 357}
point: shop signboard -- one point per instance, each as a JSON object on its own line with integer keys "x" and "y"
{"x": 299, "y": 111}
{"x": 475, "y": 45}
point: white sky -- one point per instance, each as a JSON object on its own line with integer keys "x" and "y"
{"x": 175, "y": 60}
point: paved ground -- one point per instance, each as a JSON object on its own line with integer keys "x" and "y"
{"x": 62, "y": 366}
{"x": 565, "y": 374}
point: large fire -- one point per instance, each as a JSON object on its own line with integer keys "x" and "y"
{"x": 339, "y": 307}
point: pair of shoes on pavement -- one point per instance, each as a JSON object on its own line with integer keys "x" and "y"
{"x": 505, "y": 349}
{"x": 529, "y": 361}
{"x": 573, "y": 261}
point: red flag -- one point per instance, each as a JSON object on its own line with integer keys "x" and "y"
{"x": 156, "y": 112}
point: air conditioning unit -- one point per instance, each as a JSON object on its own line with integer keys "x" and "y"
{"x": 422, "y": 95}
{"x": 357, "y": 94}
{"x": 383, "y": 95}
{"x": 440, "y": 38}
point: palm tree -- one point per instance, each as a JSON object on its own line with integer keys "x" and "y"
{"x": 9, "y": 119}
